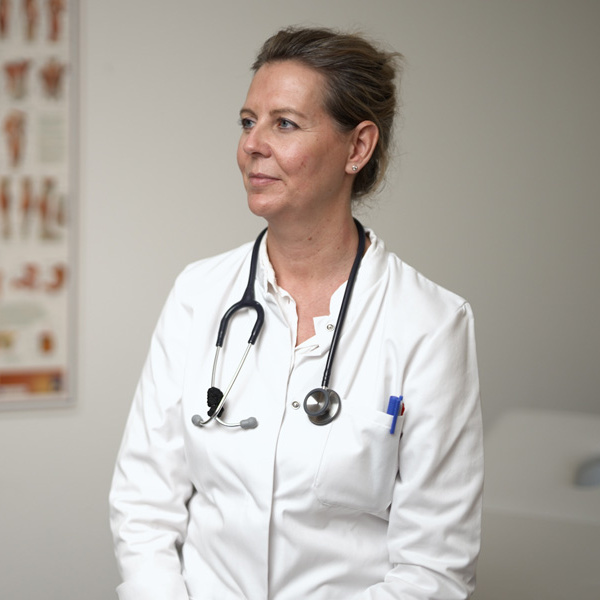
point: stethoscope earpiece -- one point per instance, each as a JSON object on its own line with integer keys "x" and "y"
{"x": 322, "y": 405}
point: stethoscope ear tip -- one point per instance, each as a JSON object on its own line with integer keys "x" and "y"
{"x": 249, "y": 423}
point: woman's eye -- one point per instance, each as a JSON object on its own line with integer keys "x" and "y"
{"x": 246, "y": 123}
{"x": 286, "y": 124}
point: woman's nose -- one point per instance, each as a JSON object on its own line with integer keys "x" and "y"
{"x": 255, "y": 141}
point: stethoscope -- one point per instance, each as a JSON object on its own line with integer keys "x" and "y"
{"x": 322, "y": 404}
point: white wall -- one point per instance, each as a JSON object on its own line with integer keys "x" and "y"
{"x": 495, "y": 196}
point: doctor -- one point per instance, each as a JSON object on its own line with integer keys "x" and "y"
{"x": 331, "y": 496}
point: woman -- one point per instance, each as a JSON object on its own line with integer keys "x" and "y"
{"x": 311, "y": 497}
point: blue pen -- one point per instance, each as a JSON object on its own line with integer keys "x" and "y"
{"x": 394, "y": 406}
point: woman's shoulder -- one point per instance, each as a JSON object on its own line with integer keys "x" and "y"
{"x": 207, "y": 272}
{"x": 426, "y": 290}
{"x": 410, "y": 285}
{"x": 418, "y": 299}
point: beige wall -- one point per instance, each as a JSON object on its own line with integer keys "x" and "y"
{"x": 495, "y": 195}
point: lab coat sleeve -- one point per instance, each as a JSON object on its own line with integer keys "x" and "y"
{"x": 150, "y": 487}
{"x": 435, "y": 516}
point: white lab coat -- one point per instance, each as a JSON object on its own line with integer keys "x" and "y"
{"x": 290, "y": 510}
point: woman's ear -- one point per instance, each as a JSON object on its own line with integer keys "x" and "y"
{"x": 364, "y": 141}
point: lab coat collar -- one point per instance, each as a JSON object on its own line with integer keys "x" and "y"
{"x": 372, "y": 268}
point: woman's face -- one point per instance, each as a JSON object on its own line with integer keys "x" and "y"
{"x": 293, "y": 157}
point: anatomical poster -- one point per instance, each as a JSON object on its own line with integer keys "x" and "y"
{"x": 36, "y": 202}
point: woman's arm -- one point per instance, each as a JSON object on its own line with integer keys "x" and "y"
{"x": 150, "y": 485}
{"x": 434, "y": 527}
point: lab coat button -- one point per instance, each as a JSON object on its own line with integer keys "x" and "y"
{"x": 330, "y": 327}
{"x": 296, "y": 404}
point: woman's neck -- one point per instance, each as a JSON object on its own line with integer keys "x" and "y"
{"x": 305, "y": 256}
{"x": 311, "y": 264}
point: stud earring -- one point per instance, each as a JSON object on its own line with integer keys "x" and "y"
{"x": 355, "y": 168}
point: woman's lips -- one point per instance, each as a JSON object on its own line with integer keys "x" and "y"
{"x": 261, "y": 179}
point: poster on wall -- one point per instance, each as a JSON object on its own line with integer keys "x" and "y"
{"x": 36, "y": 202}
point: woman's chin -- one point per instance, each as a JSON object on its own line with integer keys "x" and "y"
{"x": 262, "y": 205}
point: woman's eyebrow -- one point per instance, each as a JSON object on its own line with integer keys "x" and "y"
{"x": 287, "y": 111}
{"x": 275, "y": 112}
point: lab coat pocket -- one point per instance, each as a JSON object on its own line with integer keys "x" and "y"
{"x": 359, "y": 464}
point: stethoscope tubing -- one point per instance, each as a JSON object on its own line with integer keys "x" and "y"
{"x": 248, "y": 300}
{"x": 345, "y": 301}
{"x": 323, "y": 404}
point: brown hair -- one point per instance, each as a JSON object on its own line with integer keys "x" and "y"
{"x": 360, "y": 85}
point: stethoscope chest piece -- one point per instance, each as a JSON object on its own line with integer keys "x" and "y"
{"x": 322, "y": 405}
